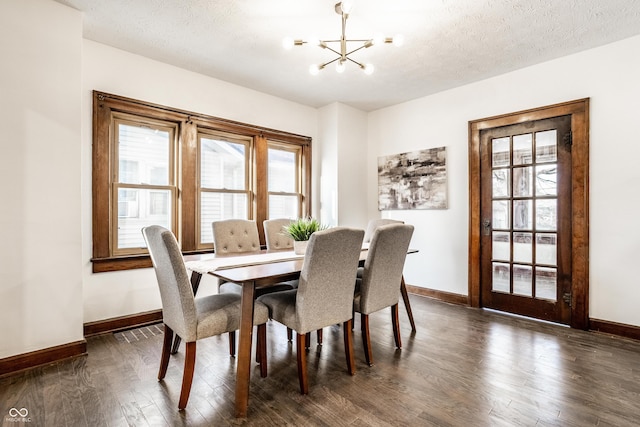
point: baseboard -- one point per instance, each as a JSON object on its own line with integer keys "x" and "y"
{"x": 439, "y": 295}
{"x": 596, "y": 325}
{"x": 120, "y": 323}
{"x": 613, "y": 328}
{"x": 20, "y": 362}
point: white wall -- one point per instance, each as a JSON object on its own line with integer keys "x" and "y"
{"x": 609, "y": 76}
{"x": 343, "y": 153}
{"x": 40, "y": 267}
{"x": 114, "y": 71}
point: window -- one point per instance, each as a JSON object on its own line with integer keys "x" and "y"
{"x": 157, "y": 165}
{"x": 284, "y": 181}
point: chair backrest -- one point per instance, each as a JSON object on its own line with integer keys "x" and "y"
{"x": 327, "y": 279}
{"x": 375, "y": 223}
{"x": 233, "y": 236}
{"x": 274, "y": 237}
{"x": 178, "y": 306}
{"x": 383, "y": 267}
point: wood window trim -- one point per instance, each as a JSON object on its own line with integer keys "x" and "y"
{"x": 579, "y": 111}
{"x": 189, "y": 124}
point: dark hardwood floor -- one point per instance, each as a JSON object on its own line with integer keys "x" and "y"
{"x": 464, "y": 367}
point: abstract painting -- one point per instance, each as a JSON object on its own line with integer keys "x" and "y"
{"x": 415, "y": 180}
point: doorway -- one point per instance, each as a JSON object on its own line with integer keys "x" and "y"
{"x": 529, "y": 213}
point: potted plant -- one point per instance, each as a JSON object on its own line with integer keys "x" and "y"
{"x": 300, "y": 230}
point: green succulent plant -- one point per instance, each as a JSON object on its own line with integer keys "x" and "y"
{"x": 301, "y": 229}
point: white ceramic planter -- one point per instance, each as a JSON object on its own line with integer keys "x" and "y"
{"x": 300, "y": 246}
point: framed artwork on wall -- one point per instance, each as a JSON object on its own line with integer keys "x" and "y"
{"x": 415, "y": 180}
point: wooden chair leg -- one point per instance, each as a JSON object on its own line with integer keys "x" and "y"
{"x": 187, "y": 376}
{"x": 261, "y": 351}
{"x": 302, "y": 363}
{"x": 289, "y": 334}
{"x": 232, "y": 343}
{"x": 366, "y": 338}
{"x": 348, "y": 347}
{"x": 319, "y": 336}
{"x": 166, "y": 349}
{"x": 176, "y": 345}
{"x": 307, "y": 343}
{"x": 395, "y": 321}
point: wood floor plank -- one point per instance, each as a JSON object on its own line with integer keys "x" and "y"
{"x": 463, "y": 367}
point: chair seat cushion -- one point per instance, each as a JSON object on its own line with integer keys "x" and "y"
{"x": 217, "y": 314}
{"x": 234, "y": 288}
{"x": 282, "y": 307}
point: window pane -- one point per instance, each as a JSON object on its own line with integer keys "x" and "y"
{"x": 547, "y": 180}
{"x": 522, "y": 247}
{"x": 501, "y": 277}
{"x": 523, "y": 182}
{"x": 501, "y": 183}
{"x": 546, "y": 248}
{"x": 522, "y": 151}
{"x": 501, "y": 216}
{"x": 546, "y": 217}
{"x": 501, "y": 247}
{"x": 523, "y": 214}
{"x": 138, "y": 208}
{"x": 218, "y": 206}
{"x": 546, "y": 283}
{"x": 500, "y": 152}
{"x": 522, "y": 276}
{"x": 546, "y": 150}
{"x": 282, "y": 171}
{"x": 283, "y": 207}
{"x": 222, "y": 164}
{"x": 143, "y": 155}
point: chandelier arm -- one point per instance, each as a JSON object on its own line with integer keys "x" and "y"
{"x": 355, "y": 50}
{"x": 334, "y": 51}
{"x": 355, "y": 62}
{"x": 330, "y": 62}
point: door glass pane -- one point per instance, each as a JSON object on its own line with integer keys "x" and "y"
{"x": 500, "y": 152}
{"x": 523, "y": 149}
{"x": 501, "y": 210}
{"x": 522, "y": 275}
{"x": 283, "y": 206}
{"x": 501, "y": 183}
{"x": 547, "y": 180}
{"x": 523, "y": 214}
{"x": 501, "y": 277}
{"x": 546, "y": 248}
{"x": 138, "y": 208}
{"x": 219, "y": 206}
{"x": 546, "y": 217}
{"x": 143, "y": 155}
{"x": 523, "y": 182}
{"x": 501, "y": 248}
{"x": 282, "y": 171}
{"x": 546, "y": 283}
{"x": 522, "y": 247}
{"x": 222, "y": 164}
{"x": 546, "y": 146}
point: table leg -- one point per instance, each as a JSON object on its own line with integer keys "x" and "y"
{"x": 407, "y": 303}
{"x": 195, "y": 283}
{"x": 243, "y": 374}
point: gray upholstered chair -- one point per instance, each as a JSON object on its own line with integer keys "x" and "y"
{"x": 375, "y": 223}
{"x": 379, "y": 286}
{"x": 237, "y": 237}
{"x": 325, "y": 292}
{"x": 275, "y": 239}
{"x": 193, "y": 319}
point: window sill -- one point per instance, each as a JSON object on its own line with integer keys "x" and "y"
{"x": 130, "y": 262}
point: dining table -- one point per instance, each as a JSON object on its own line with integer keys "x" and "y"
{"x": 254, "y": 271}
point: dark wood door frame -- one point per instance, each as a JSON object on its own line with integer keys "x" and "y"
{"x": 579, "y": 111}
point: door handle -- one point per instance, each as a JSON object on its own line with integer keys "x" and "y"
{"x": 486, "y": 227}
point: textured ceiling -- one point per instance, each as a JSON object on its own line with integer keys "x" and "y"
{"x": 448, "y": 43}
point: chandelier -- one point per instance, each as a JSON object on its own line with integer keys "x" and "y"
{"x": 343, "y": 9}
